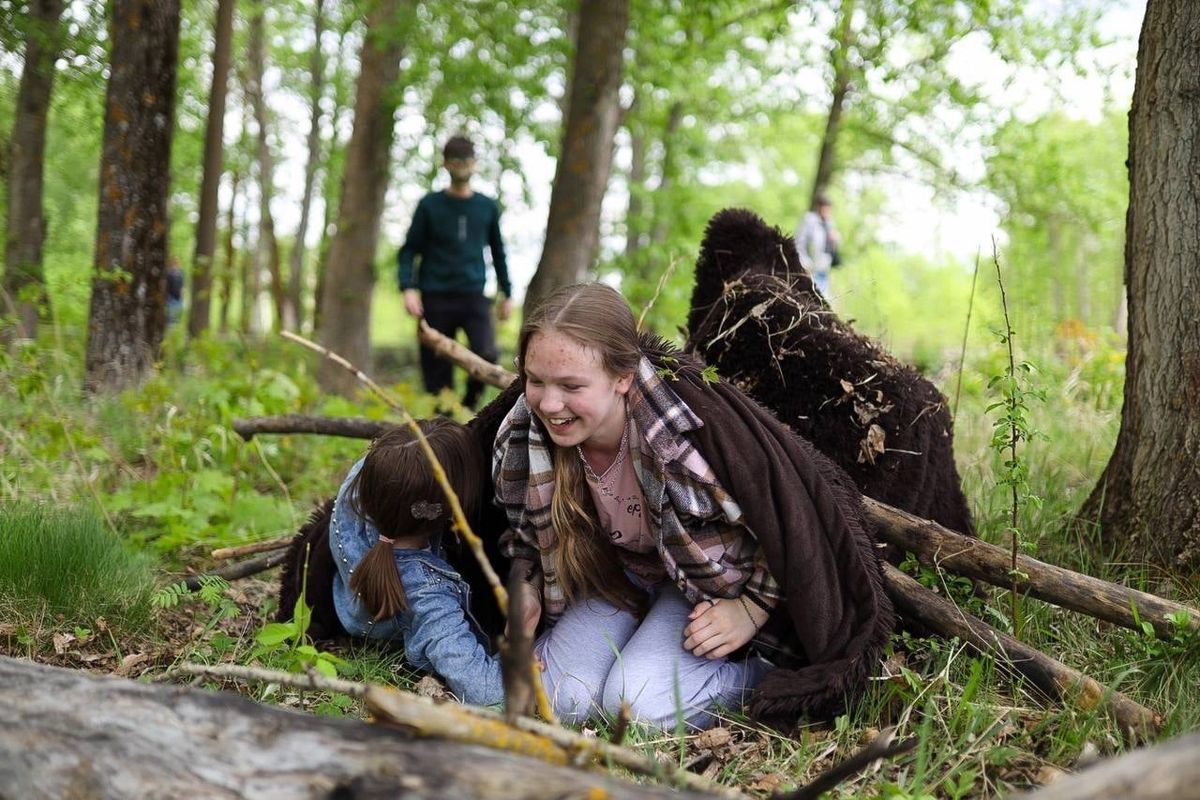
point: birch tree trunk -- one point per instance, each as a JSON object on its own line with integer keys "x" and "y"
{"x": 214, "y": 152}
{"x": 24, "y": 285}
{"x": 128, "y": 312}
{"x": 1148, "y": 499}
{"x": 585, "y": 159}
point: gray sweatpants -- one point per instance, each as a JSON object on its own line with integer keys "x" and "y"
{"x": 597, "y": 655}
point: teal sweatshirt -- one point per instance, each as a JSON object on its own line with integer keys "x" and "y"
{"x": 449, "y": 234}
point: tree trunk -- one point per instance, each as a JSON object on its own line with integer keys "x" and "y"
{"x": 64, "y": 733}
{"x": 296, "y": 265}
{"x": 1148, "y": 498}
{"x": 331, "y": 177}
{"x": 214, "y": 151}
{"x": 666, "y": 172}
{"x": 346, "y": 303}
{"x": 827, "y": 156}
{"x": 225, "y": 289}
{"x": 128, "y": 311}
{"x": 267, "y": 243}
{"x": 24, "y": 286}
{"x": 585, "y": 160}
{"x": 635, "y": 214}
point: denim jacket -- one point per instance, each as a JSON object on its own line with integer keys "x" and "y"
{"x": 437, "y": 629}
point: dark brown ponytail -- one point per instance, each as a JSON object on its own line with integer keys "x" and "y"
{"x": 396, "y": 490}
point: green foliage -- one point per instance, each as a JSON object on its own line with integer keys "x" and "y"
{"x": 65, "y": 561}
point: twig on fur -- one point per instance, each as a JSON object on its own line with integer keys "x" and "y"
{"x": 466, "y": 724}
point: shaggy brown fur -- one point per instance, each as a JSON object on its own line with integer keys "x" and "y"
{"x": 756, "y": 317}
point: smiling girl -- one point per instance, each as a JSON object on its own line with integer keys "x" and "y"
{"x": 627, "y": 542}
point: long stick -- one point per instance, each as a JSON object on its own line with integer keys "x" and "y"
{"x": 241, "y": 569}
{"x": 351, "y": 427}
{"x": 478, "y": 368}
{"x": 968, "y": 556}
{"x": 466, "y": 724}
{"x": 460, "y": 517}
{"x": 1052, "y": 677}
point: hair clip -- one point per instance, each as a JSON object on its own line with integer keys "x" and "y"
{"x": 423, "y": 509}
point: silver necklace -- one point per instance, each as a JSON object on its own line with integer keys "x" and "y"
{"x": 621, "y": 450}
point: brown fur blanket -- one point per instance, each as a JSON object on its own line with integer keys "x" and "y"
{"x": 756, "y": 317}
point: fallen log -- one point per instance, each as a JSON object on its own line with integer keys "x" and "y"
{"x": 350, "y": 427}
{"x": 973, "y": 558}
{"x": 479, "y": 369}
{"x": 64, "y": 733}
{"x": 1167, "y": 771}
{"x": 1055, "y": 679}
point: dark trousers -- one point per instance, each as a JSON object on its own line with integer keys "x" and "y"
{"x": 448, "y": 313}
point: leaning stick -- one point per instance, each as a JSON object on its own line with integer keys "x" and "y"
{"x": 478, "y": 368}
{"x": 225, "y": 553}
{"x": 952, "y": 551}
{"x": 351, "y": 427}
{"x": 460, "y": 517}
{"x": 467, "y": 724}
{"x": 1052, "y": 677}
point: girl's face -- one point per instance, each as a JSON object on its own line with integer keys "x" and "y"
{"x": 568, "y": 388}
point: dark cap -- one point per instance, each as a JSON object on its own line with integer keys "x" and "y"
{"x": 458, "y": 147}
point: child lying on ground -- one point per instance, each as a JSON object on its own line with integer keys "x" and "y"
{"x": 393, "y": 583}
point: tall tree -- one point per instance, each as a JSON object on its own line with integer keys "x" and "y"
{"x": 268, "y": 244}
{"x": 24, "y": 285}
{"x": 1148, "y": 497}
{"x": 128, "y": 311}
{"x": 585, "y": 159}
{"x": 315, "y": 92}
{"x": 346, "y": 303}
{"x": 214, "y": 150}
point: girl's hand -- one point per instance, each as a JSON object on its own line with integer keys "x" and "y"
{"x": 718, "y": 627}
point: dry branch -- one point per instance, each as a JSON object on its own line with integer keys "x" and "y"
{"x": 1052, "y": 677}
{"x": 225, "y": 553}
{"x": 350, "y": 427}
{"x": 479, "y": 369}
{"x": 1168, "y": 771}
{"x": 64, "y": 733}
{"x": 241, "y": 569}
{"x": 976, "y": 559}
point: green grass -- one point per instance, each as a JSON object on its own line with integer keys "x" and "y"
{"x": 66, "y": 562}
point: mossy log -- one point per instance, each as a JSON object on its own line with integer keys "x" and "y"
{"x": 65, "y": 733}
{"x": 973, "y": 558}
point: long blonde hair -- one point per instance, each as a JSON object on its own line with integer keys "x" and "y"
{"x": 595, "y": 316}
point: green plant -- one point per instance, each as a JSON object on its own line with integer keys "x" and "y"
{"x": 66, "y": 562}
{"x": 1010, "y": 428}
{"x": 286, "y": 644}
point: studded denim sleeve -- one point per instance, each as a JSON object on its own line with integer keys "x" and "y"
{"x": 441, "y": 638}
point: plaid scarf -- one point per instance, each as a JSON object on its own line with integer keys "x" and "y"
{"x": 713, "y": 555}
